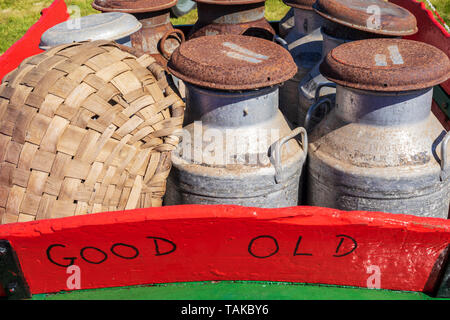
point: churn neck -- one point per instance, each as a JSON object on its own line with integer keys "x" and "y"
{"x": 153, "y": 19}
{"x": 306, "y": 21}
{"x": 220, "y": 108}
{"x": 335, "y": 34}
{"x": 383, "y": 108}
{"x": 229, "y": 14}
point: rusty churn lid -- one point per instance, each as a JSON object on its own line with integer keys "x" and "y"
{"x": 300, "y": 4}
{"x": 232, "y": 62}
{"x": 133, "y": 6}
{"x": 386, "y": 65}
{"x": 229, "y": 2}
{"x": 86, "y": 128}
{"x": 374, "y": 16}
{"x": 115, "y": 26}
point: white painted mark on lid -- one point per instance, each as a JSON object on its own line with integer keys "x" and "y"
{"x": 396, "y": 57}
{"x": 245, "y": 51}
{"x": 374, "y": 21}
{"x": 380, "y": 60}
{"x": 239, "y": 56}
{"x": 211, "y": 32}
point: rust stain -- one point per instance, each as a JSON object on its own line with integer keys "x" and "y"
{"x": 232, "y": 62}
{"x": 231, "y": 18}
{"x": 374, "y": 16}
{"x": 133, "y": 6}
{"x": 300, "y": 4}
{"x": 387, "y": 65}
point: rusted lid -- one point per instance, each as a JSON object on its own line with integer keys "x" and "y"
{"x": 229, "y": 2}
{"x": 300, "y": 4}
{"x": 386, "y": 65}
{"x": 133, "y": 6}
{"x": 232, "y": 62}
{"x": 375, "y": 16}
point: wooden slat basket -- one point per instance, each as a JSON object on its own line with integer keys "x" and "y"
{"x": 84, "y": 128}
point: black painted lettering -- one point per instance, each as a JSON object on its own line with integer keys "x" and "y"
{"x": 105, "y": 256}
{"x": 296, "y": 253}
{"x": 250, "y": 247}
{"x": 49, "y": 256}
{"x": 343, "y": 237}
{"x": 114, "y": 246}
{"x": 158, "y": 252}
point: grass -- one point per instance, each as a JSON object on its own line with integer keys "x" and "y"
{"x": 17, "y": 16}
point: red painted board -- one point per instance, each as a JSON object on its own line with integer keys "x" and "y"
{"x": 204, "y": 243}
{"x": 28, "y": 45}
{"x": 430, "y": 30}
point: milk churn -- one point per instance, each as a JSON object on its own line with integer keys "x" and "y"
{"x": 286, "y": 23}
{"x": 236, "y": 147}
{"x": 115, "y": 26}
{"x": 157, "y": 36}
{"x": 305, "y": 19}
{"x": 244, "y": 17}
{"x": 304, "y": 42}
{"x": 346, "y": 21}
{"x": 381, "y": 148}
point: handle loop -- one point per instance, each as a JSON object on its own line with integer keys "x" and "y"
{"x": 162, "y": 42}
{"x": 444, "y": 160}
{"x": 323, "y": 85}
{"x": 312, "y": 110}
{"x": 275, "y": 154}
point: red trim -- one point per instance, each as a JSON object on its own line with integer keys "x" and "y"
{"x": 212, "y": 241}
{"x": 212, "y": 244}
{"x": 430, "y": 30}
{"x": 28, "y": 45}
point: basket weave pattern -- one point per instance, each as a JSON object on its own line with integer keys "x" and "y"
{"x": 85, "y": 128}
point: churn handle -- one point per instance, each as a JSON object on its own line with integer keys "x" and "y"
{"x": 313, "y": 108}
{"x": 323, "y": 85}
{"x": 275, "y": 150}
{"x": 444, "y": 160}
{"x": 162, "y": 42}
{"x": 281, "y": 41}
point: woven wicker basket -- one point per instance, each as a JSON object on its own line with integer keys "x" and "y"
{"x": 84, "y": 128}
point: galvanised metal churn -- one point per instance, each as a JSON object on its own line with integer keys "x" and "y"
{"x": 304, "y": 42}
{"x": 381, "y": 148}
{"x": 346, "y": 21}
{"x": 305, "y": 19}
{"x": 157, "y": 36}
{"x": 236, "y": 147}
{"x": 286, "y": 23}
{"x": 244, "y": 17}
{"x": 115, "y": 26}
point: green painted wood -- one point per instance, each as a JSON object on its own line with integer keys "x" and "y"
{"x": 442, "y": 99}
{"x": 235, "y": 290}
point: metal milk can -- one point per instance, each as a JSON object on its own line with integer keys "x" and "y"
{"x": 304, "y": 42}
{"x": 381, "y": 148}
{"x": 244, "y": 17}
{"x": 236, "y": 147}
{"x": 116, "y": 26}
{"x": 157, "y": 36}
{"x": 286, "y": 23}
{"x": 305, "y": 19}
{"x": 346, "y": 21}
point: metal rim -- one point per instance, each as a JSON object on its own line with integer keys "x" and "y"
{"x": 137, "y": 10}
{"x": 364, "y": 28}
